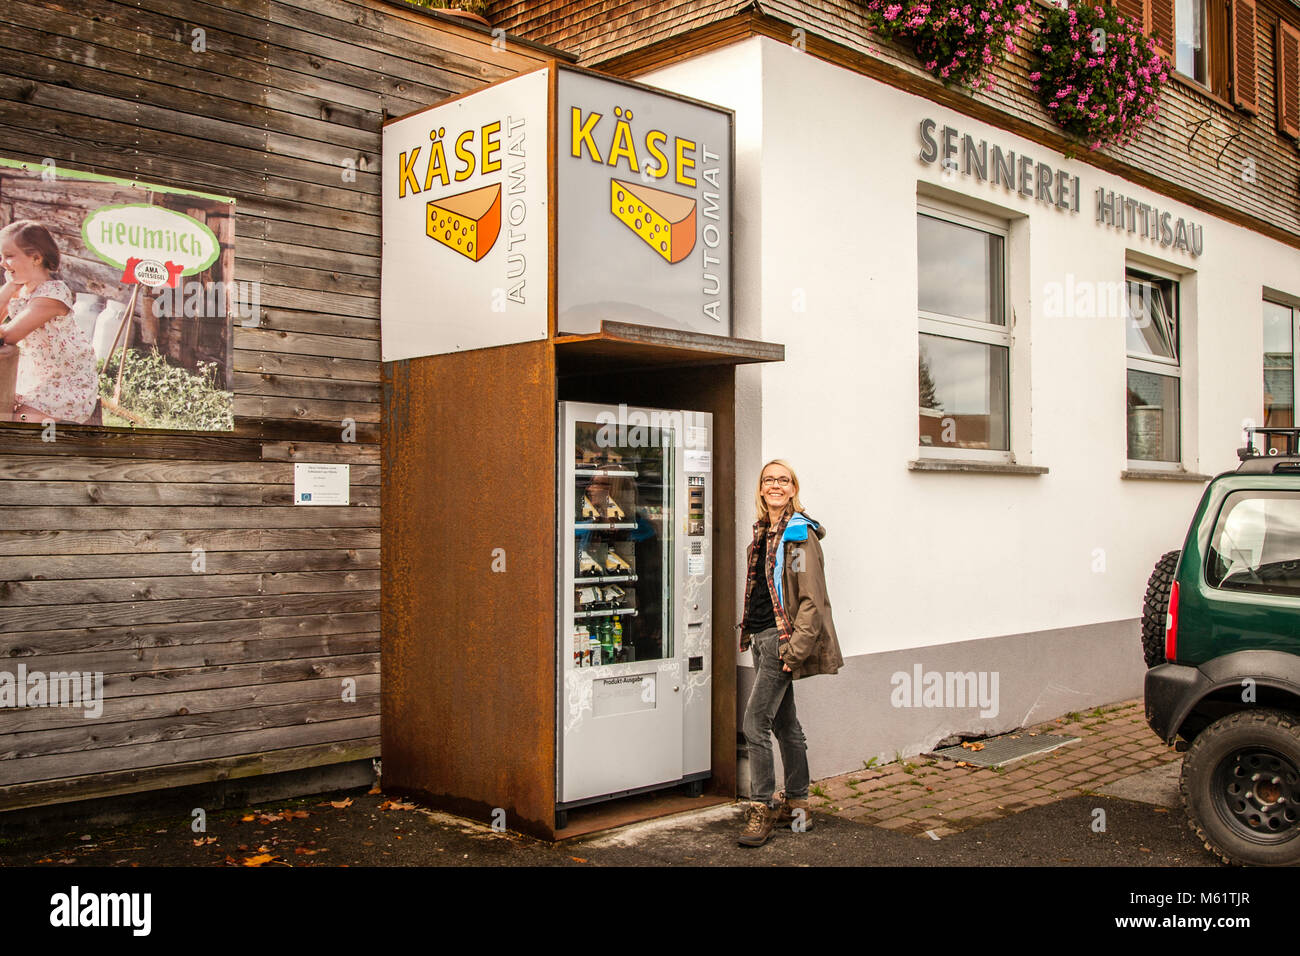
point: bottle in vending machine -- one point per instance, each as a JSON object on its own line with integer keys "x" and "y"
{"x": 606, "y": 641}
{"x": 580, "y": 642}
{"x": 593, "y": 647}
{"x": 617, "y": 638}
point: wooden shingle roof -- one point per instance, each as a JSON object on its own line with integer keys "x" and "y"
{"x": 599, "y": 30}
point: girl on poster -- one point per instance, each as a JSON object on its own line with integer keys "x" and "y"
{"x": 56, "y": 364}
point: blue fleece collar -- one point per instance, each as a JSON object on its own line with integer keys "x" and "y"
{"x": 796, "y": 529}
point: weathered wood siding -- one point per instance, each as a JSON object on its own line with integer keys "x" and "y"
{"x": 1201, "y": 150}
{"x": 239, "y": 668}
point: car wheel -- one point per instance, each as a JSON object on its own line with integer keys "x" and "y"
{"x": 1241, "y": 787}
{"x": 1155, "y": 605}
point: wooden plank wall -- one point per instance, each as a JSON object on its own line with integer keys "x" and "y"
{"x": 237, "y": 668}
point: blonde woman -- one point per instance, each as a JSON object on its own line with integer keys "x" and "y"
{"x": 788, "y": 624}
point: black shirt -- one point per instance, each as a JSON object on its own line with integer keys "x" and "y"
{"x": 759, "y": 615}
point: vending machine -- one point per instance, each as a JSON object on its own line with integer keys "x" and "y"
{"x": 634, "y": 600}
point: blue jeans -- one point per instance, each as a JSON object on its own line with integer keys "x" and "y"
{"x": 771, "y": 710}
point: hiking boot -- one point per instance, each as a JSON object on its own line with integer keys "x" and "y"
{"x": 759, "y": 822}
{"x": 785, "y": 812}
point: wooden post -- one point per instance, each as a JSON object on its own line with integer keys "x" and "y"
{"x": 8, "y": 383}
{"x": 126, "y": 325}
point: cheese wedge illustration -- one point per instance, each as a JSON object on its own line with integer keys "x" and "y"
{"x": 665, "y": 221}
{"x": 467, "y": 222}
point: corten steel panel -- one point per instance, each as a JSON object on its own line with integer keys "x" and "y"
{"x": 710, "y": 389}
{"x": 468, "y": 709}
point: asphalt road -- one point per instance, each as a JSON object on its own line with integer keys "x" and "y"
{"x": 1066, "y": 833}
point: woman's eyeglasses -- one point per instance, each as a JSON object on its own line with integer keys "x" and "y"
{"x": 783, "y": 481}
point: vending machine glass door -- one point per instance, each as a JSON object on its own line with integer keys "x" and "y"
{"x": 621, "y": 678}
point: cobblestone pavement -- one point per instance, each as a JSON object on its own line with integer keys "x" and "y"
{"x": 921, "y": 794}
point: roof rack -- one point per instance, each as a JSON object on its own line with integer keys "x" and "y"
{"x": 1248, "y": 452}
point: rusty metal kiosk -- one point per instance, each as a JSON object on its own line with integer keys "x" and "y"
{"x": 553, "y": 238}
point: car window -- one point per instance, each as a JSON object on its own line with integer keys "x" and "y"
{"x": 1256, "y": 543}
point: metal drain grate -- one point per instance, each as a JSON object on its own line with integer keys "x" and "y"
{"x": 1006, "y": 749}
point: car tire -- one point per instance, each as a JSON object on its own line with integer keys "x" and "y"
{"x": 1155, "y": 605}
{"x": 1241, "y": 787}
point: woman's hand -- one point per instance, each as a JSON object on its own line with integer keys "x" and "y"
{"x": 8, "y": 290}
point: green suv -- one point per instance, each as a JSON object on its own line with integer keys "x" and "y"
{"x": 1221, "y": 635}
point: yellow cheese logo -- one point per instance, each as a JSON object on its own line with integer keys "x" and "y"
{"x": 664, "y": 221}
{"x": 468, "y": 223}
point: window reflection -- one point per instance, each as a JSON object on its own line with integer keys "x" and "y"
{"x": 1152, "y": 320}
{"x": 963, "y": 394}
{"x": 1189, "y": 56}
{"x": 1152, "y": 417}
{"x": 1279, "y": 371}
{"x": 959, "y": 271}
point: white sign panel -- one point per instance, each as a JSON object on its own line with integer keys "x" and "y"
{"x": 320, "y": 484}
{"x": 644, "y": 216}
{"x": 465, "y": 259}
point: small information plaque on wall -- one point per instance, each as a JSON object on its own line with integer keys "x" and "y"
{"x": 320, "y": 484}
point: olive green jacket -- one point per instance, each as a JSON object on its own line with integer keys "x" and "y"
{"x": 813, "y": 647}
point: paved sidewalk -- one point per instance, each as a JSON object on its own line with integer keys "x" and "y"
{"x": 942, "y": 797}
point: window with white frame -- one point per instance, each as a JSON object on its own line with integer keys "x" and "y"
{"x": 965, "y": 335}
{"x": 1154, "y": 383}
{"x": 1280, "y": 323}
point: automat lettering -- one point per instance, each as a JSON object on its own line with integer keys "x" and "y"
{"x": 712, "y": 234}
{"x": 516, "y": 211}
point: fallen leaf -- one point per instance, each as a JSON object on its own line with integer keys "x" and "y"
{"x": 258, "y": 860}
{"x": 204, "y": 841}
{"x": 268, "y": 817}
{"x": 373, "y": 790}
{"x": 396, "y": 805}
{"x": 303, "y": 851}
{"x": 1143, "y": 849}
{"x": 577, "y": 859}
{"x": 295, "y": 814}
{"x": 248, "y": 819}
{"x": 341, "y": 804}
